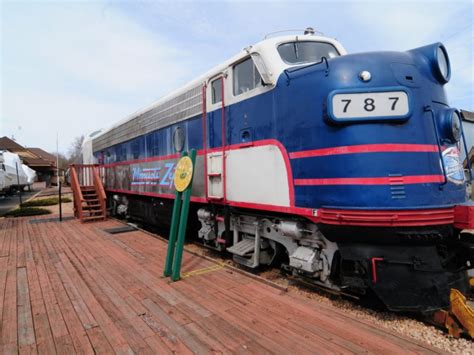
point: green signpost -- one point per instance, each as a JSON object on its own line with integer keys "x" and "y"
{"x": 183, "y": 181}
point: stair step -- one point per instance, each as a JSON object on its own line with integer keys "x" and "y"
{"x": 87, "y": 189}
{"x": 92, "y": 210}
{"x": 249, "y": 262}
{"x": 243, "y": 247}
{"x": 215, "y": 197}
{"x": 91, "y": 218}
{"x": 92, "y": 206}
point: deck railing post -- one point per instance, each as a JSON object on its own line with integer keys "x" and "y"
{"x": 60, "y": 203}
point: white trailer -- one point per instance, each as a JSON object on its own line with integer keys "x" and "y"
{"x": 14, "y": 177}
{"x": 30, "y": 174}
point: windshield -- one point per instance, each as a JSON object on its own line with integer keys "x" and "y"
{"x": 306, "y": 52}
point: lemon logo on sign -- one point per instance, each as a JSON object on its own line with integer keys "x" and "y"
{"x": 183, "y": 174}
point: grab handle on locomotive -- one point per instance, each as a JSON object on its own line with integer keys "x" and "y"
{"x": 468, "y": 160}
{"x": 440, "y": 151}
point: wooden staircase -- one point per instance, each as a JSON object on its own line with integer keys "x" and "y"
{"x": 89, "y": 194}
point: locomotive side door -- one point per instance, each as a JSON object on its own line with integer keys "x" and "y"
{"x": 215, "y": 139}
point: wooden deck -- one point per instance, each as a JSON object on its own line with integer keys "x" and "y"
{"x": 73, "y": 288}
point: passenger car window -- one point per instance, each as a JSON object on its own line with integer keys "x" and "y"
{"x": 216, "y": 88}
{"x": 246, "y": 77}
{"x": 306, "y": 52}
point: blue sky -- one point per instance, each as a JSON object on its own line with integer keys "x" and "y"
{"x": 73, "y": 67}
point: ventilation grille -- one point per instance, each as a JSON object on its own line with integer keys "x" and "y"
{"x": 397, "y": 186}
{"x": 177, "y": 109}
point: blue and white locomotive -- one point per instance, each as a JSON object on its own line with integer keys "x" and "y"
{"x": 345, "y": 168}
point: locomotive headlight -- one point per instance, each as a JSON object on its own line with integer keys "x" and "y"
{"x": 451, "y": 124}
{"x": 456, "y": 126}
{"x": 443, "y": 68}
{"x": 436, "y": 57}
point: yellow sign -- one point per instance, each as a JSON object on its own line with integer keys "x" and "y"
{"x": 183, "y": 174}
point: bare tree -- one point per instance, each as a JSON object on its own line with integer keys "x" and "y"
{"x": 63, "y": 161}
{"x": 75, "y": 150}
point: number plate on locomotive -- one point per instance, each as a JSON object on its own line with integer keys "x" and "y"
{"x": 370, "y": 105}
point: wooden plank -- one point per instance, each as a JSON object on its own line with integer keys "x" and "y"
{"x": 6, "y": 235}
{"x": 295, "y": 328}
{"x": 43, "y": 334}
{"x": 133, "y": 329}
{"x": 165, "y": 335}
{"x": 209, "y": 338}
{"x": 116, "y": 282}
{"x": 191, "y": 341}
{"x": 28, "y": 349}
{"x": 72, "y": 344}
{"x": 214, "y": 331}
{"x": 9, "y": 349}
{"x": 162, "y": 293}
{"x": 8, "y": 330}
{"x": 72, "y": 284}
{"x": 126, "y": 277}
{"x": 49, "y": 295}
{"x": 85, "y": 297}
{"x": 20, "y": 259}
{"x": 26, "y": 332}
{"x": 3, "y": 280}
{"x": 93, "y": 259}
{"x": 236, "y": 300}
{"x": 172, "y": 343}
{"x": 73, "y": 338}
{"x": 356, "y": 335}
{"x": 99, "y": 340}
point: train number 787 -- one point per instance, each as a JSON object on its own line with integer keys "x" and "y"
{"x": 369, "y": 104}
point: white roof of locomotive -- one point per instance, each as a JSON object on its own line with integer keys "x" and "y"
{"x": 266, "y": 48}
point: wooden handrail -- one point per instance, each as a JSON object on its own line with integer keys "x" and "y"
{"x": 76, "y": 189}
{"x": 99, "y": 188}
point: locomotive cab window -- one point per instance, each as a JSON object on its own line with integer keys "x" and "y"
{"x": 246, "y": 77}
{"x": 306, "y": 52}
{"x": 216, "y": 88}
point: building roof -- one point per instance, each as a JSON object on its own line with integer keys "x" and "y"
{"x": 10, "y": 145}
{"x": 29, "y": 158}
{"x": 43, "y": 154}
{"x": 471, "y": 158}
{"x": 467, "y": 116}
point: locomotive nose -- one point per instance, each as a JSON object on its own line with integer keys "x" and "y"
{"x": 392, "y": 86}
{"x": 401, "y": 139}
